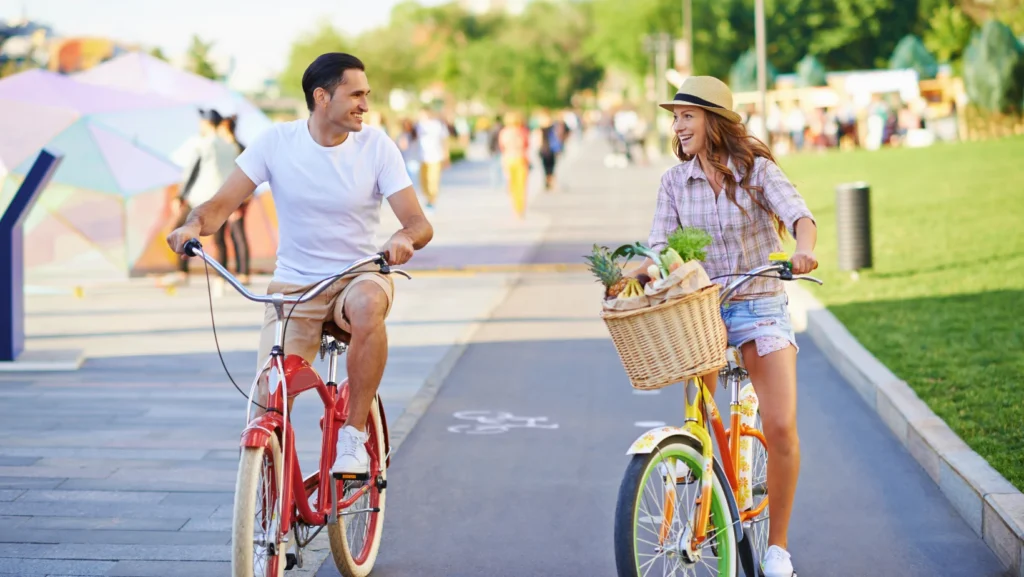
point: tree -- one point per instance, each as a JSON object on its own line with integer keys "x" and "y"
{"x": 948, "y": 32}
{"x": 911, "y": 53}
{"x": 810, "y": 72}
{"x": 158, "y": 53}
{"x": 743, "y": 76}
{"x": 994, "y": 69}
{"x": 304, "y": 51}
{"x": 199, "y": 58}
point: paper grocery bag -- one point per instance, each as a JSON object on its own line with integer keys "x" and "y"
{"x": 689, "y": 278}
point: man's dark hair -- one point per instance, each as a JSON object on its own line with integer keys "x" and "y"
{"x": 327, "y": 72}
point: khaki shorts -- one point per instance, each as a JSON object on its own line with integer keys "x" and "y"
{"x": 308, "y": 319}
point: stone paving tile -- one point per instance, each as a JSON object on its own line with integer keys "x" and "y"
{"x": 107, "y": 552}
{"x": 44, "y": 567}
{"x": 99, "y": 523}
{"x": 11, "y": 494}
{"x": 91, "y": 496}
{"x": 177, "y": 569}
{"x": 113, "y": 537}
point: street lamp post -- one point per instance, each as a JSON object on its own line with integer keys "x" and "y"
{"x": 762, "y": 64}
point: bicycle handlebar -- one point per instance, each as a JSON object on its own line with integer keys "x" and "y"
{"x": 784, "y": 268}
{"x": 192, "y": 247}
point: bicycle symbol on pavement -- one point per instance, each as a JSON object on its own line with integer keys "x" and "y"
{"x": 497, "y": 422}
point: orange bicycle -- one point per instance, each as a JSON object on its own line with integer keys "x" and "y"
{"x": 681, "y": 507}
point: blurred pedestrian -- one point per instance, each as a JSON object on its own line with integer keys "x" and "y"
{"x": 550, "y": 148}
{"x": 208, "y": 160}
{"x": 236, "y": 222}
{"x": 514, "y": 143}
{"x": 409, "y": 144}
{"x": 433, "y": 135}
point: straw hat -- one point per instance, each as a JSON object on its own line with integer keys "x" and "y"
{"x": 706, "y": 92}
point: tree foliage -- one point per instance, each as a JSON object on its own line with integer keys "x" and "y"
{"x": 911, "y": 53}
{"x": 199, "y": 58}
{"x": 994, "y": 69}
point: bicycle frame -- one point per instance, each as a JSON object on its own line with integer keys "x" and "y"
{"x": 295, "y": 490}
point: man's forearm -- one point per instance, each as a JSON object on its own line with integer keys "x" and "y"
{"x": 419, "y": 231}
{"x": 209, "y": 216}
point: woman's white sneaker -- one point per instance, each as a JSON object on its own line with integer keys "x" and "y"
{"x": 776, "y": 563}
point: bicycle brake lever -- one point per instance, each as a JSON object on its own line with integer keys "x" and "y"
{"x": 810, "y": 278}
{"x": 401, "y": 272}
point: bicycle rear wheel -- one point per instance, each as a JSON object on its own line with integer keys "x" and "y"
{"x": 654, "y": 516}
{"x": 355, "y": 538}
{"x": 255, "y": 551}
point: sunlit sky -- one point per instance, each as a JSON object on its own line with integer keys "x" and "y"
{"x": 256, "y": 33}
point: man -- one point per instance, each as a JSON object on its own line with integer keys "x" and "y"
{"x": 208, "y": 161}
{"x": 432, "y": 134}
{"x": 328, "y": 175}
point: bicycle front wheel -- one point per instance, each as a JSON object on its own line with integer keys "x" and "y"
{"x": 355, "y": 538}
{"x": 654, "y": 517}
{"x": 255, "y": 550}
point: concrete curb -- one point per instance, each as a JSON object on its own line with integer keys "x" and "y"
{"x": 990, "y": 505}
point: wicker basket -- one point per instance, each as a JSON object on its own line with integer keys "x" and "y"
{"x": 670, "y": 342}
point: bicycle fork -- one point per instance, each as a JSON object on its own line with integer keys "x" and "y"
{"x": 695, "y": 426}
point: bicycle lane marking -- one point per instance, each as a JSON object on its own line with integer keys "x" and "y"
{"x": 496, "y": 422}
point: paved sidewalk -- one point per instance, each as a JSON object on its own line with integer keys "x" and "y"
{"x": 127, "y": 467}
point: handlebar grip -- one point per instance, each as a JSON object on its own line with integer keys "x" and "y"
{"x": 192, "y": 247}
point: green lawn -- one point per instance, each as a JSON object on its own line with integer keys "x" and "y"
{"x": 943, "y": 306}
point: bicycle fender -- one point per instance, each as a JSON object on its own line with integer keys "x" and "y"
{"x": 257, "y": 433}
{"x": 650, "y": 440}
{"x": 384, "y": 425}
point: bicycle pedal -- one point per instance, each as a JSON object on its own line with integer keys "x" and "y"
{"x": 351, "y": 476}
{"x": 292, "y": 562}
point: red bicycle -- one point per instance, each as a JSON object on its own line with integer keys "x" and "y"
{"x": 276, "y": 507}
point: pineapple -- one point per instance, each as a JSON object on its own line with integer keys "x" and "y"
{"x": 607, "y": 272}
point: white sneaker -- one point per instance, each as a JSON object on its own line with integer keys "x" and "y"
{"x": 352, "y": 458}
{"x": 776, "y": 563}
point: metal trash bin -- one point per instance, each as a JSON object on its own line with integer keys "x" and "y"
{"x": 853, "y": 225}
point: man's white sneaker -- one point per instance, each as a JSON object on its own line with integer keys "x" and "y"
{"x": 352, "y": 458}
{"x": 776, "y": 563}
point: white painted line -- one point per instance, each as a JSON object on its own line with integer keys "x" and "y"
{"x": 649, "y": 424}
{"x": 643, "y": 392}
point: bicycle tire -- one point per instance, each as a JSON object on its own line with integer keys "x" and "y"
{"x": 628, "y": 511}
{"x": 360, "y": 563}
{"x": 244, "y": 559}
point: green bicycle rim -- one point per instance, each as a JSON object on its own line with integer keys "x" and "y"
{"x": 719, "y": 510}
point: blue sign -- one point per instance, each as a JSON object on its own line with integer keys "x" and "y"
{"x": 12, "y": 265}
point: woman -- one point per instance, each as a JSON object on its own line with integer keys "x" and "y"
{"x": 514, "y": 144}
{"x": 729, "y": 185}
{"x": 236, "y": 222}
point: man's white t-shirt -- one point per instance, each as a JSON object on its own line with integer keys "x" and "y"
{"x": 327, "y": 198}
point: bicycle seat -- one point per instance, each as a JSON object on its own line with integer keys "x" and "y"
{"x": 332, "y": 330}
{"x": 734, "y": 358}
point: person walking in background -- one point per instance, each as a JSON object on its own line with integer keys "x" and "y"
{"x": 409, "y": 144}
{"x": 236, "y": 222}
{"x": 208, "y": 160}
{"x": 550, "y": 147}
{"x": 514, "y": 144}
{"x": 432, "y": 135}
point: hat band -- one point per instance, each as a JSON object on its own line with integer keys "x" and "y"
{"x": 681, "y": 97}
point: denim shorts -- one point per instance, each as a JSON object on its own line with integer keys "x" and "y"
{"x": 746, "y": 321}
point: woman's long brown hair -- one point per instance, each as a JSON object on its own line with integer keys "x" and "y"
{"x": 726, "y": 139}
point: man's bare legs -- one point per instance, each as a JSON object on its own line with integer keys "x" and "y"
{"x": 365, "y": 308}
